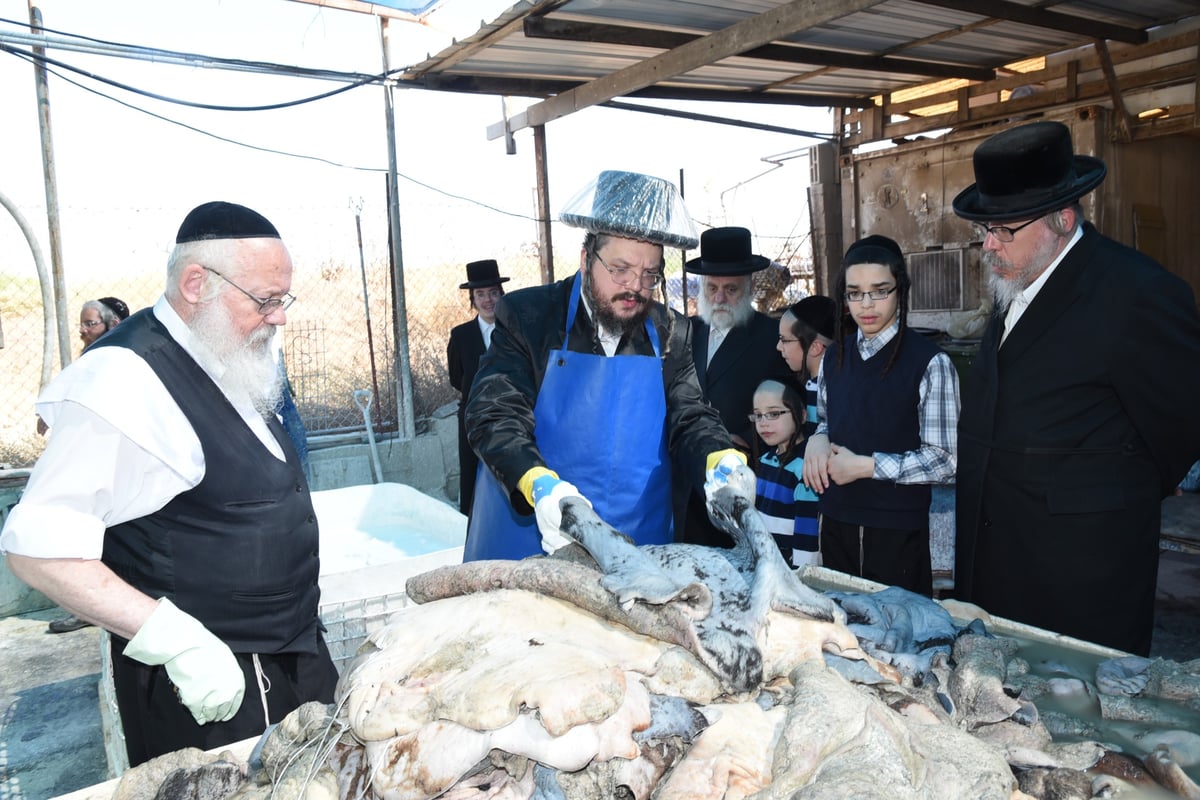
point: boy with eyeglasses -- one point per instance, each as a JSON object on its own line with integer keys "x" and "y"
{"x": 887, "y": 402}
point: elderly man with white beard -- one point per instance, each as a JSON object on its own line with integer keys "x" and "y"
{"x": 734, "y": 349}
{"x": 175, "y": 513}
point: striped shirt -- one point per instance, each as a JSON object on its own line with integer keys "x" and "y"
{"x": 788, "y": 507}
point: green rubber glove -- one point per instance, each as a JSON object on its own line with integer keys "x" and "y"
{"x": 206, "y": 675}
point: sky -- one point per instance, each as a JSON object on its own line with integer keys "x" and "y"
{"x": 125, "y": 179}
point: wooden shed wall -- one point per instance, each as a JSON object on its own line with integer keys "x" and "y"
{"x": 1149, "y": 200}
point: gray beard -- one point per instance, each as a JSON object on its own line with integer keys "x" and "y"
{"x": 251, "y": 368}
{"x": 726, "y": 317}
{"x": 1004, "y": 291}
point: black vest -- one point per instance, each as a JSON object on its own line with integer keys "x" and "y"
{"x": 240, "y": 550}
{"x": 870, "y": 412}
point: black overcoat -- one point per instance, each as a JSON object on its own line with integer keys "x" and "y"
{"x": 463, "y": 352}
{"x": 1070, "y": 435}
{"x": 748, "y": 354}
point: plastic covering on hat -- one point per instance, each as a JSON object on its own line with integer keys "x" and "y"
{"x": 634, "y": 206}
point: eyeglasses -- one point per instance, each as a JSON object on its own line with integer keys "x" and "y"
{"x": 769, "y": 416}
{"x": 625, "y": 276}
{"x": 266, "y": 305}
{"x": 874, "y": 294}
{"x": 91, "y": 323}
{"x": 1003, "y": 233}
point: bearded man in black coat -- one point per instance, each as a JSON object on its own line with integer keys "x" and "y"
{"x": 1079, "y": 415}
{"x": 734, "y": 347}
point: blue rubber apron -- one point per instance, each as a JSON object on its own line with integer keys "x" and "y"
{"x": 600, "y": 423}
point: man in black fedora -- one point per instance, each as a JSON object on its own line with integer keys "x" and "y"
{"x": 1079, "y": 414}
{"x": 733, "y": 346}
{"x": 468, "y": 342}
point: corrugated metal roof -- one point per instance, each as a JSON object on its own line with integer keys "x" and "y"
{"x": 839, "y": 53}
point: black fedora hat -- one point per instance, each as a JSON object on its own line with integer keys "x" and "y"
{"x": 1026, "y": 172}
{"x": 481, "y": 274}
{"x": 726, "y": 252}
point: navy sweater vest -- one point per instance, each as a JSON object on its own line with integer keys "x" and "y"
{"x": 240, "y": 550}
{"x": 872, "y": 412}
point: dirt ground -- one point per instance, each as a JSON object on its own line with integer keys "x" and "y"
{"x": 51, "y": 741}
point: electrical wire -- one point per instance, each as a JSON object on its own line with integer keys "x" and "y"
{"x": 357, "y": 81}
{"x": 268, "y": 66}
{"x": 30, "y": 57}
{"x": 374, "y": 79}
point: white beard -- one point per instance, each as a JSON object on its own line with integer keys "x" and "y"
{"x": 251, "y": 366}
{"x": 726, "y": 317}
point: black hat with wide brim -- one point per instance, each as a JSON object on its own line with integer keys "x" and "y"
{"x": 1026, "y": 172}
{"x": 726, "y": 252}
{"x": 481, "y": 274}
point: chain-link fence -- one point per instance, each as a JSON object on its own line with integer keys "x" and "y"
{"x": 340, "y": 336}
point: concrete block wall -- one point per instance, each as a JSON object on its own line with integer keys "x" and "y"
{"x": 428, "y": 462}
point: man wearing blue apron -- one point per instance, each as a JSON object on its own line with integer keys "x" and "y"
{"x": 589, "y": 388}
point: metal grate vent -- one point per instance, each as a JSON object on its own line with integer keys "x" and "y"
{"x": 937, "y": 280}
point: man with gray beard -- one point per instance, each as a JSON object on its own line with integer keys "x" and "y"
{"x": 1079, "y": 414}
{"x": 734, "y": 348}
{"x": 175, "y": 513}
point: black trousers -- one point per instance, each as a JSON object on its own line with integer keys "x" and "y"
{"x": 885, "y": 555}
{"x": 155, "y": 722}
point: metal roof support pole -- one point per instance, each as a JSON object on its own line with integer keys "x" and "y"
{"x": 51, "y": 183}
{"x": 545, "y": 239}
{"x": 404, "y": 394}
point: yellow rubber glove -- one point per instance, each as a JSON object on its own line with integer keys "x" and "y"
{"x": 719, "y": 456}
{"x": 525, "y": 485}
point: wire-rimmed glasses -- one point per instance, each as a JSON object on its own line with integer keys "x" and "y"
{"x": 266, "y": 305}
{"x": 626, "y": 276}
{"x": 1002, "y": 233}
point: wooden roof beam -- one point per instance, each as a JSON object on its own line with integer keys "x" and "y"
{"x": 544, "y": 27}
{"x": 778, "y": 23}
{"x": 1041, "y": 18}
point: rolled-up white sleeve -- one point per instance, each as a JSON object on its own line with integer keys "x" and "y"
{"x": 92, "y": 474}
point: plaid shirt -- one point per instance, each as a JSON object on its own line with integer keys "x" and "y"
{"x": 936, "y": 460}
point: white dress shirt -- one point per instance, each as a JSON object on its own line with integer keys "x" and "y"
{"x": 486, "y": 329}
{"x": 119, "y": 449}
{"x": 715, "y": 337}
